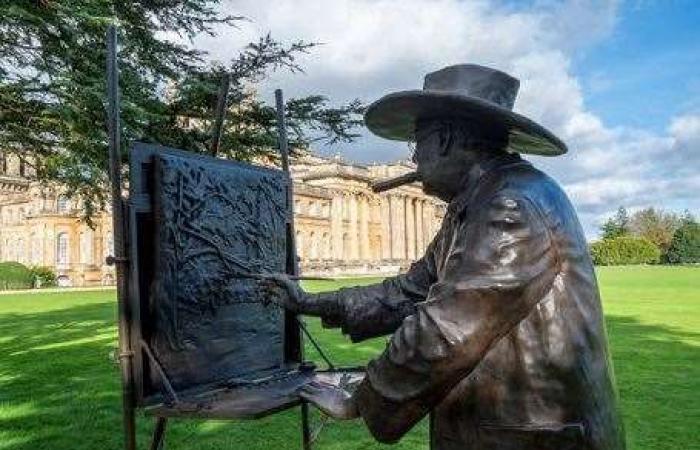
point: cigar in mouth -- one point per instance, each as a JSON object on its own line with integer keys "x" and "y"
{"x": 392, "y": 183}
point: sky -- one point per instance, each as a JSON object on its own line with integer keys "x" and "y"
{"x": 618, "y": 81}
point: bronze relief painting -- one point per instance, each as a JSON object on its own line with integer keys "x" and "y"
{"x": 216, "y": 226}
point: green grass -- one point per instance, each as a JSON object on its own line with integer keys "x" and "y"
{"x": 59, "y": 389}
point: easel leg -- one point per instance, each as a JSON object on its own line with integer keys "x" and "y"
{"x": 159, "y": 433}
{"x": 305, "y": 426}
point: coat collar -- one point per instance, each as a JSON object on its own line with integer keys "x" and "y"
{"x": 477, "y": 175}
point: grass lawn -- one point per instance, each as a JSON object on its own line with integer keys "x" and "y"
{"x": 59, "y": 389}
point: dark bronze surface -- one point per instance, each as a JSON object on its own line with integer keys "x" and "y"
{"x": 212, "y": 223}
{"x": 202, "y": 231}
{"x": 497, "y": 330}
{"x": 120, "y": 244}
{"x": 209, "y": 345}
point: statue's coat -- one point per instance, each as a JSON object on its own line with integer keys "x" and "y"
{"x": 497, "y": 330}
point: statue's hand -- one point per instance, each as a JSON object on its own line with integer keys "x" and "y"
{"x": 284, "y": 290}
{"x": 332, "y": 400}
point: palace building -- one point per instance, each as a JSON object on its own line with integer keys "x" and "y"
{"x": 342, "y": 227}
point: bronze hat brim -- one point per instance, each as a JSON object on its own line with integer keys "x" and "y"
{"x": 394, "y": 117}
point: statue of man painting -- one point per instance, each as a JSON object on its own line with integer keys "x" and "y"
{"x": 498, "y": 330}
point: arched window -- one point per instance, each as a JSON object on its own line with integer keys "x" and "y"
{"x": 62, "y": 248}
{"x": 62, "y": 204}
{"x": 86, "y": 247}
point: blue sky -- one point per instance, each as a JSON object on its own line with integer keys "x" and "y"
{"x": 618, "y": 81}
{"x": 648, "y": 70}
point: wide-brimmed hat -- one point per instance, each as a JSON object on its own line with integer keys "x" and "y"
{"x": 466, "y": 91}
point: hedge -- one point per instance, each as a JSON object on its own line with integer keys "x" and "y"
{"x": 624, "y": 250}
{"x": 43, "y": 276}
{"x": 14, "y": 275}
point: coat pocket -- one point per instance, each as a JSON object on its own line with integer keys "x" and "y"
{"x": 566, "y": 436}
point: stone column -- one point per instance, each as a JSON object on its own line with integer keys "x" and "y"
{"x": 396, "y": 227}
{"x": 364, "y": 229}
{"x": 354, "y": 232}
{"x": 337, "y": 226}
{"x": 420, "y": 237}
{"x": 386, "y": 226}
{"x": 410, "y": 229}
{"x": 428, "y": 214}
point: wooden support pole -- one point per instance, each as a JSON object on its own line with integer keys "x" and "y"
{"x": 159, "y": 433}
{"x": 284, "y": 153}
{"x": 221, "y": 104}
{"x": 125, "y": 352}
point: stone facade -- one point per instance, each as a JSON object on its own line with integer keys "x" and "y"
{"x": 342, "y": 227}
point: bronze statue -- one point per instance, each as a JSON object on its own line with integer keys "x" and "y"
{"x": 498, "y": 331}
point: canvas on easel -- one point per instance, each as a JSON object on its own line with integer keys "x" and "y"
{"x": 202, "y": 230}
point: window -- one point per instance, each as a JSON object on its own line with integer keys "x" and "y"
{"x": 313, "y": 246}
{"x": 62, "y": 204}
{"x": 109, "y": 245}
{"x": 300, "y": 244}
{"x": 86, "y": 247}
{"x": 62, "y": 248}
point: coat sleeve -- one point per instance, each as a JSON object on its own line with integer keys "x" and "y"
{"x": 500, "y": 265}
{"x": 376, "y": 310}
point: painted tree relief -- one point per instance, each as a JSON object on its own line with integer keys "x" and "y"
{"x": 217, "y": 224}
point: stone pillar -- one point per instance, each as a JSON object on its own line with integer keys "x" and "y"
{"x": 401, "y": 220}
{"x": 420, "y": 237}
{"x": 365, "y": 254}
{"x": 428, "y": 214}
{"x": 386, "y": 226}
{"x": 410, "y": 229}
{"x": 354, "y": 232}
{"x": 396, "y": 227}
{"x": 337, "y": 227}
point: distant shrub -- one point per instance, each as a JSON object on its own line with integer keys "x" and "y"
{"x": 685, "y": 244}
{"x": 14, "y": 275}
{"x": 624, "y": 250}
{"x": 43, "y": 277}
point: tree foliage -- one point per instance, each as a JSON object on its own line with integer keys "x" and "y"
{"x": 685, "y": 244}
{"x": 655, "y": 225}
{"x": 52, "y": 87}
{"x": 624, "y": 250}
{"x": 616, "y": 226}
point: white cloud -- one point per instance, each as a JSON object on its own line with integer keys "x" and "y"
{"x": 372, "y": 47}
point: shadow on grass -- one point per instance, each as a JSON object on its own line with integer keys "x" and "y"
{"x": 658, "y": 378}
{"x": 59, "y": 390}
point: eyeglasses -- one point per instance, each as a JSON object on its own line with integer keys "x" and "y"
{"x": 419, "y": 136}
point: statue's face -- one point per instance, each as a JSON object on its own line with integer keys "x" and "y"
{"x": 441, "y": 162}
